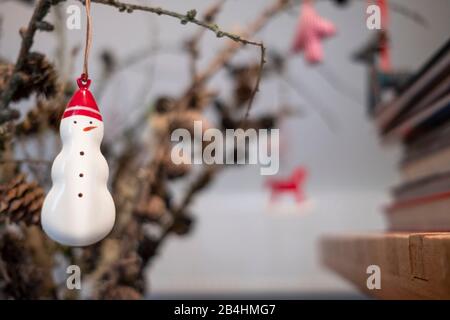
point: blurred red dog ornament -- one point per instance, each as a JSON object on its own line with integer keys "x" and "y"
{"x": 311, "y": 29}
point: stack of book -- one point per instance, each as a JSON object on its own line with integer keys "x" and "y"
{"x": 419, "y": 118}
{"x": 413, "y": 256}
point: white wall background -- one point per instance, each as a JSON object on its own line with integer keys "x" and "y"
{"x": 239, "y": 244}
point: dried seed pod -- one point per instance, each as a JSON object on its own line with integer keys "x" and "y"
{"x": 147, "y": 248}
{"x": 182, "y": 224}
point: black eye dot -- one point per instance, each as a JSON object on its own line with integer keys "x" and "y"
{"x": 90, "y": 122}
{"x": 75, "y": 122}
{"x": 81, "y": 175}
{"x": 82, "y": 153}
{"x": 80, "y": 195}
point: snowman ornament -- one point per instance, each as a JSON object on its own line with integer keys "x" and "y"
{"x": 79, "y": 210}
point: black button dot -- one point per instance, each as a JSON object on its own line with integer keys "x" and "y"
{"x": 80, "y": 195}
{"x": 82, "y": 153}
{"x": 81, "y": 175}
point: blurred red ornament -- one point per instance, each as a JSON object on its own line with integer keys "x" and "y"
{"x": 311, "y": 29}
{"x": 292, "y": 184}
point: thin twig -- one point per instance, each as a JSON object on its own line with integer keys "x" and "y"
{"x": 189, "y": 17}
{"x": 258, "y": 80}
{"x": 192, "y": 45}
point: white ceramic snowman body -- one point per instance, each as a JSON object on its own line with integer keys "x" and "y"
{"x": 79, "y": 210}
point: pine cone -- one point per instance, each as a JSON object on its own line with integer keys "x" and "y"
{"x": 39, "y": 75}
{"x": 21, "y": 201}
{"x": 36, "y": 75}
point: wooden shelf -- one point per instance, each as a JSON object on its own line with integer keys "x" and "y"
{"x": 413, "y": 265}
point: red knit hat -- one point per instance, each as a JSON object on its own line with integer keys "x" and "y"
{"x": 82, "y": 102}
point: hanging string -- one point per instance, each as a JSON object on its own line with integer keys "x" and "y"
{"x": 87, "y": 47}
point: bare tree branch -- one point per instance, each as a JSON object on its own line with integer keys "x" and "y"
{"x": 189, "y": 17}
{"x": 41, "y": 10}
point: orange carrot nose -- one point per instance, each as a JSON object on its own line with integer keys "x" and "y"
{"x": 89, "y": 128}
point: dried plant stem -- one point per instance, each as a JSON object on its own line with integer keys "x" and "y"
{"x": 43, "y": 7}
{"x": 40, "y": 11}
{"x": 189, "y": 17}
{"x": 210, "y": 16}
{"x": 192, "y": 45}
{"x": 258, "y": 81}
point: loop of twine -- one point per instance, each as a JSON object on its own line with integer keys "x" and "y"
{"x": 87, "y": 46}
